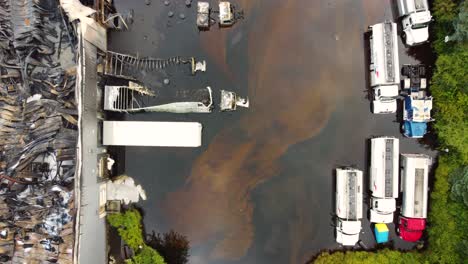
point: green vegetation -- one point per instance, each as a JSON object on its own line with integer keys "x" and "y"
{"x": 385, "y": 256}
{"x": 448, "y": 215}
{"x": 444, "y": 12}
{"x": 450, "y": 90}
{"x": 448, "y": 218}
{"x": 460, "y": 25}
{"x": 146, "y": 255}
{"x": 173, "y": 246}
{"x": 129, "y": 226}
{"x": 459, "y": 181}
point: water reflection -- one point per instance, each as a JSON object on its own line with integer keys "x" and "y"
{"x": 293, "y": 84}
{"x": 303, "y": 63}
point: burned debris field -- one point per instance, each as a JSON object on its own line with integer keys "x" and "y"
{"x": 38, "y": 133}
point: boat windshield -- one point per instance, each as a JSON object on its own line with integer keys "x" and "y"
{"x": 419, "y": 26}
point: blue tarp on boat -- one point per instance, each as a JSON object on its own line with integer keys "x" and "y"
{"x": 414, "y": 129}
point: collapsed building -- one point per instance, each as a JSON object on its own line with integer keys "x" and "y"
{"x": 38, "y": 132}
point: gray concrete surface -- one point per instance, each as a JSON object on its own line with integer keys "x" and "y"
{"x": 92, "y": 243}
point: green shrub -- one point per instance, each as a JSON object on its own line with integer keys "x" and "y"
{"x": 459, "y": 182}
{"x": 385, "y": 256}
{"x": 129, "y": 226}
{"x": 444, "y": 13}
{"x": 444, "y": 230}
{"x": 449, "y": 86}
{"x": 460, "y": 24}
{"x": 448, "y": 215}
{"x": 147, "y": 255}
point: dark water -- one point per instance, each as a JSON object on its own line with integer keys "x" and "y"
{"x": 260, "y": 190}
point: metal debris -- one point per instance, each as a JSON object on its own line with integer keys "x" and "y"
{"x": 123, "y": 188}
{"x": 107, "y": 15}
{"x": 38, "y": 133}
{"x": 227, "y": 15}
{"x": 230, "y": 101}
{"x": 198, "y": 66}
{"x": 126, "y": 66}
{"x": 140, "y": 89}
{"x": 127, "y": 100}
{"x": 203, "y": 15}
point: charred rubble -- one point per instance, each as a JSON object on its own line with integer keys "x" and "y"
{"x": 38, "y": 132}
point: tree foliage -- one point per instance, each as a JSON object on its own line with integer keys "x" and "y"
{"x": 173, "y": 246}
{"x": 444, "y": 13}
{"x": 130, "y": 229}
{"x": 449, "y": 87}
{"x": 128, "y": 225}
{"x": 446, "y": 217}
{"x": 461, "y": 24}
{"x": 459, "y": 181}
{"x": 146, "y": 255}
{"x": 385, "y": 256}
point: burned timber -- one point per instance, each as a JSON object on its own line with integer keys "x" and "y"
{"x": 38, "y": 132}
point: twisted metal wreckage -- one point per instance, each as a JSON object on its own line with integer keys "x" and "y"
{"x": 38, "y": 132}
{"x": 137, "y": 98}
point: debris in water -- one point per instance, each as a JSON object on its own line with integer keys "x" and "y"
{"x": 170, "y": 14}
{"x": 188, "y": 3}
{"x": 182, "y": 16}
{"x": 124, "y": 188}
{"x": 129, "y": 15}
{"x": 127, "y": 100}
{"x": 166, "y": 81}
{"x": 127, "y": 66}
{"x": 148, "y": 2}
{"x": 230, "y": 101}
{"x": 166, "y": 3}
{"x": 227, "y": 14}
{"x": 203, "y": 15}
{"x": 198, "y": 66}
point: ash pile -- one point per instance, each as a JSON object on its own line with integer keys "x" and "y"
{"x": 38, "y": 132}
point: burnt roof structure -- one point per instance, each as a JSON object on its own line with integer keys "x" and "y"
{"x": 38, "y": 133}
